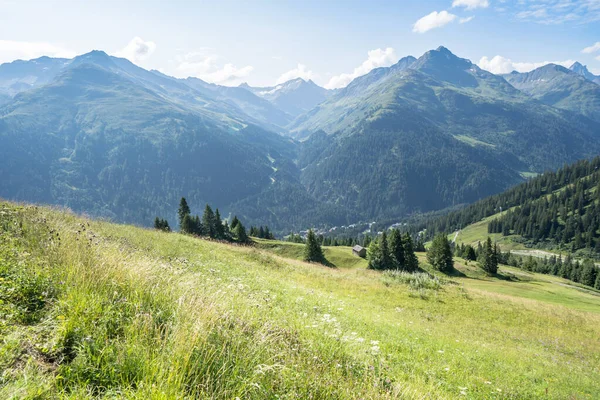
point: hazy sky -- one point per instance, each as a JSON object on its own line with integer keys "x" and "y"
{"x": 329, "y": 41}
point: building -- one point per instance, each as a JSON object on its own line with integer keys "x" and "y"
{"x": 359, "y": 251}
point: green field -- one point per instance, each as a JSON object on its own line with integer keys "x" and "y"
{"x": 96, "y": 310}
{"x": 337, "y": 256}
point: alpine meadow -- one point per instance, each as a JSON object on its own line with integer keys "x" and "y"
{"x": 237, "y": 204}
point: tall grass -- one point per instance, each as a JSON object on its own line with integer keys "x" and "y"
{"x": 94, "y": 310}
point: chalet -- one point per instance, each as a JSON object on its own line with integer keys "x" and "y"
{"x": 359, "y": 251}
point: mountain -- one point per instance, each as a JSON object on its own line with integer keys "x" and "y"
{"x": 429, "y": 134}
{"x": 99, "y": 134}
{"x": 560, "y": 87}
{"x": 230, "y": 106}
{"x": 265, "y": 112}
{"x": 20, "y": 75}
{"x": 583, "y": 71}
{"x": 294, "y": 97}
{"x": 103, "y": 142}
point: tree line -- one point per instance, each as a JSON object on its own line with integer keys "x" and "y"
{"x": 211, "y": 224}
{"x": 525, "y": 193}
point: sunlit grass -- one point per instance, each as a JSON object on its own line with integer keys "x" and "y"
{"x": 144, "y": 314}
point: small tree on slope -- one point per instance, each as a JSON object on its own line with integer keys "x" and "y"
{"x": 312, "y": 249}
{"x": 439, "y": 254}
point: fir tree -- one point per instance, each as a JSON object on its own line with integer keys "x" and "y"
{"x": 374, "y": 255}
{"x": 589, "y": 273}
{"x": 397, "y": 250}
{"x": 312, "y": 249}
{"x": 410, "y": 258}
{"x": 184, "y": 210}
{"x": 219, "y": 228}
{"x": 239, "y": 233}
{"x": 208, "y": 222}
{"x": 439, "y": 254}
{"x": 187, "y": 225}
{"x": 488, "y": 260}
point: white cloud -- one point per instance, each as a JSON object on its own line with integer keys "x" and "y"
{"x": 137, "y": 50}
{"x": 301, "y": 71}
{"x": 465, "y": 20}
{"x": 471, "y": 4}
{"x": 432, "y": 21}
{"x": 11, "y": 50}
{"x": 592, "y": 49}
{"x": 206, "y": 67}
{"x": 376, "y": 58}
{"x": 502, "y": 65}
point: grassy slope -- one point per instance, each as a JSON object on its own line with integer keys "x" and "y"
{"x": 133, "y": 313}
{"x": 338, "y": 256}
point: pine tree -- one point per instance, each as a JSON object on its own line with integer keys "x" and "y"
{"x": 234, "y": 222}
{"x": 589, "y": 273}
{"x": 470, "y": 253}
{"x": 386, "y": 259}
{"x": 488, "y": 260}
{"x": 219, "y": 228}
{"x": 312, "y": 249}
{"x": 439, "y": 254}
{"x": 208, "y": 222}
{"x": 187, "y": 225}
{"x": 597, "y": 284}
{"x": 239, "y": 233}
{"x": 184, "y": 210}
{"x": 410, "y": 258}
{"x": 374, "y": 255}
{"x": 397, "y": 249}
{"x": 157, "y": 223}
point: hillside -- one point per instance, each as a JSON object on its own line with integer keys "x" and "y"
{"x": 560, "y": 87}
{"x": 101, "y": 135}
{"x": 557, "y": 211}
{"x": 431, "y": 134}
{"x": 90, "y": 309}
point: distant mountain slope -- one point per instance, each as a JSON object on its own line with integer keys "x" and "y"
{"x": 560, "y": 87}
{"x": 437, "y": 133}
{"x": 582, "y": 70}
{"x": 21, "y": 75}
{"x": 295, "y": 97}
{"x": 225, "y": 106}
{"x": 99, "y": 142}
{"x": 255, "y": 106}
{"x": 557, "y": 210}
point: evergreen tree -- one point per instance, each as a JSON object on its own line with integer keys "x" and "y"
{"x": 386, "y": 259}
{"x": 187, "y": 225}
{"x": 470, "y": 253}
{"x": 488, "y": 261}
{"x": 209, "y": 222}
{"x": 219, "y": 228}
{"x": 397, "y": 250}
{"x": 234, "y": 222}
{"x": 439, "y": 254}
{"x": 589, "y": 273}
{"x": 597, "y": 284}
{"x": 312, "y": 249}
{"x": 410, "y": 258}
{"x": 375, "y": 255}
{"x": 184, "y": 210}
{"x": 239, "y": 233}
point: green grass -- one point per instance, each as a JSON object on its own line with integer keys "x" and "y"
{"x": 337, "y": 256}
{"x": 124, "y": 312}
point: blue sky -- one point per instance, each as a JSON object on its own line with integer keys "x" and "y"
{"x": 329, "y": 41}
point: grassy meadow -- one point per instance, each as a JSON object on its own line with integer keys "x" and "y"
{"x": 90, "y": 309}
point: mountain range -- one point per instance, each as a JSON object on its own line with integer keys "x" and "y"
{"x": 101, "y": 135}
